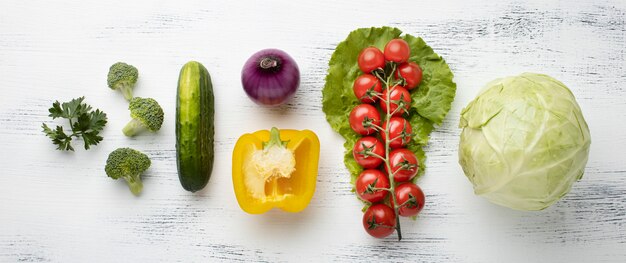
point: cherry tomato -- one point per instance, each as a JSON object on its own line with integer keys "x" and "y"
{"x": 411, "y": 73}
{"x": 364, "y": 149}
{"x": 362, "y": 119}
{"x": 397, "y": 93}
{"x": 400, "y": 132}
{"x": 379, "y": 220}
{"x": 404, "y": 164}
{"x": 365, "y": 87}
{"x": 410, "y": 198}
{"x": 397, "y": 50}
{"x": 369, "y": 179}
{"x": 370, "y": 59}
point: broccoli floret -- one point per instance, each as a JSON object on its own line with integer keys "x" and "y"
{"x": 128, "y": 164}
{"x": 123, "y": 77}
{"x": 146, "y": 114}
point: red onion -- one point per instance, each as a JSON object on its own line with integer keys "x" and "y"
{"x": 270, "y": 77}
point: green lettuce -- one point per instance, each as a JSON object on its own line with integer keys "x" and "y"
{"x": 430, "y": 102}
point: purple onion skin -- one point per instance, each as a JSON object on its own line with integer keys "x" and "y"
{"x": 270, "y": 77}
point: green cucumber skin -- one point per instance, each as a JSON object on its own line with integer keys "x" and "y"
{"x": 195, "y": 126}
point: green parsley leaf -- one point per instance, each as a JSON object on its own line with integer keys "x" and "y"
{"x": 84, "y": 123}
{"x": 91, "y": 138}
{"x": 56, "y": 111}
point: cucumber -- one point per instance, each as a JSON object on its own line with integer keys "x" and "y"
{"x": 195, "y": 126}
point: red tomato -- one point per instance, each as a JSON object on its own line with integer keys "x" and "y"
{"x": 397, "y": 50}
{"x": 397, "y": 93}
{"x": 365, "y": 87}
{"x": 369, "y": 179}
{"x": 379, "y": 220}
{"x": 410, "y": 198}
{"x": 371, "y": 58}
{"x": 411, "y": 73}
{"x": 404, "y": 164}
{"x": 400, "y": 132}
{"x": 362, "y": 119}
{"x": 364, "y": 149}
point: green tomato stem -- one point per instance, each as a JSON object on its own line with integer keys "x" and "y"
{"x": 388, "y": 88}
{"x": 376, "y": 155}
{"x": 387, "y": 148}
{"x": 381, "y": 189}
{"x": 379, "y": 128}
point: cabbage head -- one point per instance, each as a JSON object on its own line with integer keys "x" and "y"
{"x": 524, "y": 141}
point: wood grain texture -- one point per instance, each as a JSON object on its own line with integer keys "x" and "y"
{"x": 61, "y": 206}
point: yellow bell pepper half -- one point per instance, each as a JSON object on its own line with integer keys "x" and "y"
{"x": 265, "y": 178}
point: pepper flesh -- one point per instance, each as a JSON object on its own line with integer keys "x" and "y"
{"x": 290, "y": 193}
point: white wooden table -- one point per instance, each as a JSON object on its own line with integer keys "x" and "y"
{"x": 57, "y": 206}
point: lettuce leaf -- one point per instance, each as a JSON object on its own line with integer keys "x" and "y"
{"x": 430, "y": 102}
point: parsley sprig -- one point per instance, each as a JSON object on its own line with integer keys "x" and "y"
{"x": 83, "y": 121}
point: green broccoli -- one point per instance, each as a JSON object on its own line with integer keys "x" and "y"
{"x": 146, "y": 114}
{"x": 123, "y": 77}
{"x": 129, "y": 164}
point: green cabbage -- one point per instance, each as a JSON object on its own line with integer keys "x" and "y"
{"x": 524, "y": 141}
{"x": 430, "y": 102}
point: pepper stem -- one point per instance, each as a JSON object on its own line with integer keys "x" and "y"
{"x": 275, "y": 139}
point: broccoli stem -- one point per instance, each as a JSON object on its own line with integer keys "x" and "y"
{"x": 127, "y": 90}
{"x": 134, "y": 184}
{"x": 133, "y": 127}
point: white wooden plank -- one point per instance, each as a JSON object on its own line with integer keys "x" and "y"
{"x": 61, "y": 206}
